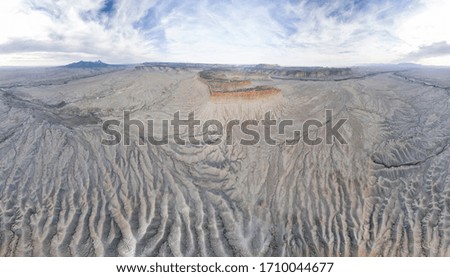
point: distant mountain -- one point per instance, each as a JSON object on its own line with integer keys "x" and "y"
{"x": 84, "y": 64}
{"x": 409, "y": 65}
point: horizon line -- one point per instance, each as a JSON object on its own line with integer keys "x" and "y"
{"x": 221, "y": 64}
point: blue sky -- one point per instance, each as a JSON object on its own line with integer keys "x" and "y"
{"x": 303, "y": 32}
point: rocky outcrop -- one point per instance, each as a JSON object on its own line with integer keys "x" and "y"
{"x": 308, "y": 73}
{"x": 229, "y": 85}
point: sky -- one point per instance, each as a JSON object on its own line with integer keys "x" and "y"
{"x": 289, "y": 33}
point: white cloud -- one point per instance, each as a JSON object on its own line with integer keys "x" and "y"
{"x": 62, "y": 25}
{"x": 424, "y": 27}
{"x": 17, "y": 22}
{"x": 338, "y": 33}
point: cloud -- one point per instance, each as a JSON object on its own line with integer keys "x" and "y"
{"x": 436, "y": 49}
{"x": 303, "y": 32}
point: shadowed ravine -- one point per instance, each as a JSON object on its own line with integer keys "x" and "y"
{"x": 385, "y": 193}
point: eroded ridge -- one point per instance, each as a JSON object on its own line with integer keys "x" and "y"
{"x": 384, "y": 193}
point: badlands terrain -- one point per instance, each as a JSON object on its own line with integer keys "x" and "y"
{"x": 386, "y": 192}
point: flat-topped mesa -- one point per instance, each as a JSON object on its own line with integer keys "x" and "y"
{"x": 253, "y": 92}
{"x": 233, "y": 84}
{"x": 308, "y": 73}
{"x": 227, "y": 86}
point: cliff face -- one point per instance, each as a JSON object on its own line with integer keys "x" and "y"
{"x": 315, "y": 74}
{"x": 305, "y": 73}
{"x": 234, "y": 84}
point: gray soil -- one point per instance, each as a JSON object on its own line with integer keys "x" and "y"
{"x": 63, "y": 193}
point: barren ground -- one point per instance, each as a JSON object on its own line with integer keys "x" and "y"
{"x": 63, "y": 193}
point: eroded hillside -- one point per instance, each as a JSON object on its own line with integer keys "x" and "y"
{"x": 384, "y": 193}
